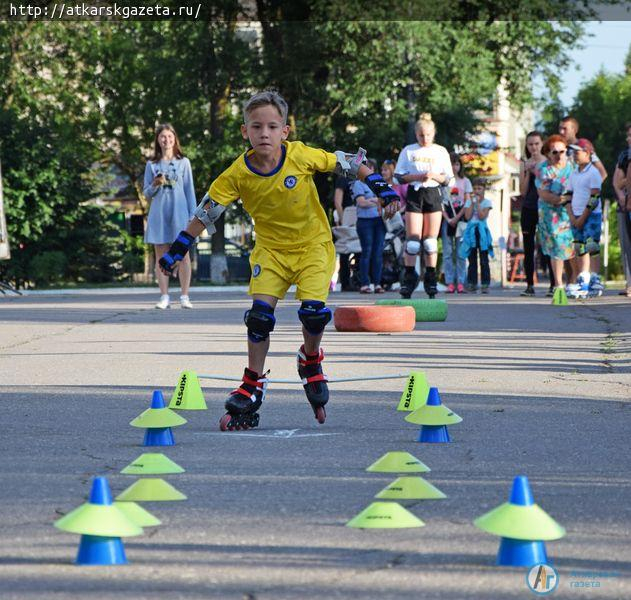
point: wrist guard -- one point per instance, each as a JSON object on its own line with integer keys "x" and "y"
{"x": 381, "y": 189}
{"x": 178, "y": 250}
{"x": 348, "y": 164}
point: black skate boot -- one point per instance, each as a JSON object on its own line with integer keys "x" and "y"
{"x": 314, "y": 381}
{"x": 429, "y": 281}
{"x": 409, "y": 283}
{"x": 243, "y": 403}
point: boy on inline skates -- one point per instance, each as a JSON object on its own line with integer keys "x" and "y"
{"x": 274, "y": 180}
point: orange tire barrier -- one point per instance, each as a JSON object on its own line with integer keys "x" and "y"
{"x": 384, "y": 319}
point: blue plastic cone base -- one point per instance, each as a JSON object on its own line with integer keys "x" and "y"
{"x": 433, "y": 398}
{"x": 97, "y": 550}
{"x": 434, "y": 434}
{"x": 521, "y": 553}
{"x": 157, "y": 400}
{"x": 159, "y": 436}
{"x": 100, "y": 492}
{"x": 521, "y": 494}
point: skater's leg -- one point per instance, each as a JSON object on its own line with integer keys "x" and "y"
{"x": 243, "y": 403}
{"x": 314, "y": 316}
{"x": 258, "y": 343}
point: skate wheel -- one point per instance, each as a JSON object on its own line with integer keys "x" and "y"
{"x": 426, "y": 310}
{"x": 224, "y": 422}
{"x": 320, "y": 414}
{"x": 390, "y": 319}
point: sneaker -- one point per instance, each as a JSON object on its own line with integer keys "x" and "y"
{"x": 484, "y": 289}
{"x": 550, "y": 292}
{"x": 460, "y": 289}
{"x": 365, "y": 289}
{"x": 529, "y": 291}
{"x": 471, "y": 288}
{"x": 163, "y": 302}
{"x": 451, "y": 288}
{"x": 185, "y": 302}
{"x": 583, "y": 281}
{"x": 573, "y": 290}
{"x": 596, "y": 286}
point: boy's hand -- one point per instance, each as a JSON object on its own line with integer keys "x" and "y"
{"x": 179, "y": 249}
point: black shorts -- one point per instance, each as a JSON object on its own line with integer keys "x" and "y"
{"x": 424, "y": 200}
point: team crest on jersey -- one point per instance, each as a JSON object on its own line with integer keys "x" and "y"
{"x": 256, "y": 271}
{"x": 290, "y": 182}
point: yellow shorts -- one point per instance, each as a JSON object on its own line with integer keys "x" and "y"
{"x": 310, "y": 268}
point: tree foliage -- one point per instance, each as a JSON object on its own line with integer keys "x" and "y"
{"x": 79, "y": 99}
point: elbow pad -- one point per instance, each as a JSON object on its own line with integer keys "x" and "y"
{"x": 208, "y": 211}
{"x": 348, "y": 164}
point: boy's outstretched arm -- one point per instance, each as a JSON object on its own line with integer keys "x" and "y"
{"x": 380, "y": 188}
{"x": 351, "y": 166}
{"x": 204, "y": 217}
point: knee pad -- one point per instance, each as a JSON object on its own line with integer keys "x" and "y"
{"x": 259, "y": 320}
{"x": 592, "y": 247}
{"x": 413, "y": 245}
{"x": 430, "y": 245}
{"x": 314, "y": 316}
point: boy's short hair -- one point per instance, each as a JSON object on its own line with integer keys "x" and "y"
{"x": 373, "y": 163}
{"x": 479, "y": 181}
{"x": 266, "y": 98}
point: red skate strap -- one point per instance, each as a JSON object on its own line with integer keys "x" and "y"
{"x": 315, "y": 378}
{"x": 311, "y": 359}
{"x": 253, "y": 382}
{"x": 243, "y": 391}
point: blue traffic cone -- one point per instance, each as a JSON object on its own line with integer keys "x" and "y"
{"x": 433, "y": 433}
{"x": 521, "y": 553}
{"x": 159, "y": 436}
{"x": 157, "y": 422}
{"x": 98, "y": 550}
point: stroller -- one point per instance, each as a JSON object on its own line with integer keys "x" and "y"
{"x": 347, "y": 242}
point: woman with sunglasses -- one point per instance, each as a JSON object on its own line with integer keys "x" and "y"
{"x": 555, "y": 232}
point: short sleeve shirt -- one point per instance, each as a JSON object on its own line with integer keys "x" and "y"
{"x": 416, "y": 159}
{"x": 485, "y": 203}
{"x": 580, "y": 184}
{"x": 283, "y": 203}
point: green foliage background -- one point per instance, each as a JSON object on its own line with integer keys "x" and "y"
{"x": 78, "y": 99}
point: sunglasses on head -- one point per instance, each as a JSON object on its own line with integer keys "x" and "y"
{"x": 555, "y": 152}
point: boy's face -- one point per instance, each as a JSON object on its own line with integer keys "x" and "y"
{"x": 478, "y": 190}
{"x": 265, "y": 130}
{"x": 582, "y": 157}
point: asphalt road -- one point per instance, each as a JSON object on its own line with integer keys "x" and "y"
{"x": 543, "y": 391}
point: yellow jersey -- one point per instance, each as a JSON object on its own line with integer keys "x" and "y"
{"x": 284, "y": 203}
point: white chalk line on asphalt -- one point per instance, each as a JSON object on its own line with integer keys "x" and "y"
{"x": 277, "y": 434}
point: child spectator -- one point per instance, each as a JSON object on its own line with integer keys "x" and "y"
{"x": 453, "y": 227}
{"x": 477, "y": 238}
{"x": 585, "y": 212}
